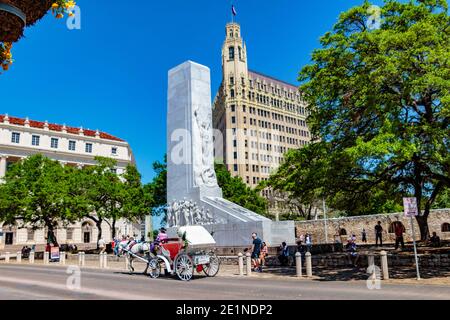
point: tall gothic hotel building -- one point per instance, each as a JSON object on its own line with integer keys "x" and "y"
{"x": 260, "y": 118}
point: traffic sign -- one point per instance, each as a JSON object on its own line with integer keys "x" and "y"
{"x": 410, "y": 207}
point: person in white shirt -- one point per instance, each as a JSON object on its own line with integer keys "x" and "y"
{"x": 102, "y": 245}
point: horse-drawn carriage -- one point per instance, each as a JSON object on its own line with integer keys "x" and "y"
{"x": 182, "y": 256}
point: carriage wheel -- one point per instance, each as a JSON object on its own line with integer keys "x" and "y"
{"x": 155, "y": 268}
{"x": 184, "y": 267}
{"x": 212, "y": 268}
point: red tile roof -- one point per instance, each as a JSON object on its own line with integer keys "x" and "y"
{"x": 58, "y": 127}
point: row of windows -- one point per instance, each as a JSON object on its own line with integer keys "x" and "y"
{"x": 275, "y": 91}
{"x": 272, "y": 115}
{"x": 262, "y": 157}
{"x": 54, "y": 143}
{"x": 262, "y": 147}
{"x": 275, "y": 126}
{"x": 274, "y": 137}
{"x": 262, "y": 99}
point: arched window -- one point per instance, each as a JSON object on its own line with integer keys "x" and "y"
{"x": 445, "y": 227}
{"x": 342, "y": 232}
{"x": 393, "y": 225}
{"x": 231, "y": 53}
{"x": 86, "y": 230}
{"x": 240, "y": 53}
{"x": 232, "y": 93}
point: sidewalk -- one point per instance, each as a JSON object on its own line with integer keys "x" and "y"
{"x": 322, "y": 274}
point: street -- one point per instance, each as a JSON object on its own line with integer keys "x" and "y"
{"x": 44, "y": 282}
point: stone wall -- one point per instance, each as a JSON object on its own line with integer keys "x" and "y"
{"x": 341, "y": 260}
{"x": 355, "y": 225}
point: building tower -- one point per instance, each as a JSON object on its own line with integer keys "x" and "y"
{"x": 260, "y": 118}
{"x": 231, "y": 94}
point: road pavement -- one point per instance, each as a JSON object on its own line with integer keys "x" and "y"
{"x": 40, "y": 282}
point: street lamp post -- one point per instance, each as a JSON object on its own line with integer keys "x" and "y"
{"x": 325, "y": 220}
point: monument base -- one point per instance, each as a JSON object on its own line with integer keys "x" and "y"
{"x": 240, "y": 234}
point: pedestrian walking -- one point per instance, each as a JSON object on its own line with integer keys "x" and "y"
{"x": 399, "y": 229}
{"x": 256, "y": 252}
{"x": 379, "y": 234}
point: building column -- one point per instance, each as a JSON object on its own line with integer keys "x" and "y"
{"x": 2, "y": 166}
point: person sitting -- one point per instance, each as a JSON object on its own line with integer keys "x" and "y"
{"x": 284, "y": 256}
{"x": 162, "y": 236}
{"x": 352, "y": 253}
{"x": 435, "y": 241}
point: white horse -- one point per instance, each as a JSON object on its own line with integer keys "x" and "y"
{"x": 132, "y": 249}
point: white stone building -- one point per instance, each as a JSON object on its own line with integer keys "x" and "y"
{"x": 20, "y": 138}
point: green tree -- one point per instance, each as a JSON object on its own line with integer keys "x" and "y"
{"x": 36, "y": 192}
{"x": 300, "y": 180}
{"x": 380, "y": 101}
{"x": 443, "y": 200}
{"x": 111, "y": 196}
{"x": 156, "y": 190}
{"x": 235, "y": 190}
{"x": 134, "y": 201}
{"x": 101, "y": 186}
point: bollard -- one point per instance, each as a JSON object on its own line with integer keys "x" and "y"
{"x": 62, "y": 258}
{"x": 6, "y": 257}
{"x": 100, "y": 258}
{"x": 308, "y": 264}
{"x": 19, "y": 257}
{"x": 31, "y": 257}
{"x": 298, "y": 264}
{"x": 241, "y": 263}
{"x": 370, "y": 260}
{"x": 384, "y": 265}
{"x": 81, "y": 259}
{"x": 105, "y": 260}
{"x": 46, "y": 257}
{"x": 249, "y": 263}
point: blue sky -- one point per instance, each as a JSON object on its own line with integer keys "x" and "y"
{"x": 112, "y": 74}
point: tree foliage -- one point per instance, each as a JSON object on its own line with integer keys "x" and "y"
{"x": 235, "y": 190}
{"x": 35, "y": 193}
{"x": 40, "y": 192}
{"x": 380, "y": 107}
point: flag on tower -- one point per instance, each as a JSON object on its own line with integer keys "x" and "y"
{"x": 233, "y": 10}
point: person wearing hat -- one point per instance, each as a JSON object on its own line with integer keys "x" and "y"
{"x": 162, "y": 235}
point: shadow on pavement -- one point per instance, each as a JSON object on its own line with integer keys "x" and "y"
{"x": 357, "y": 273}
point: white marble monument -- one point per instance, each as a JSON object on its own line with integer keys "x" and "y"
{"x": 193, "y": 194}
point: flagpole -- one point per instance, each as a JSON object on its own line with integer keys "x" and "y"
{"x": 232, "y": 14}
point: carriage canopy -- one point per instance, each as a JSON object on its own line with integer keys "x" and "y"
{"x": 197, "y": 236}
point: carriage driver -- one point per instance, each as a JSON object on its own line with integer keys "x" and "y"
{"x": 162, "y": 235}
